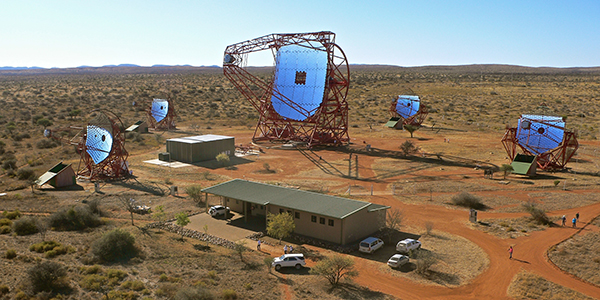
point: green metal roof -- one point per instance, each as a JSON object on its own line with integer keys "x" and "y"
{"x": 520, "y": 168}
{"x": 59, "y": 167}
{"x": 263, "y": 194}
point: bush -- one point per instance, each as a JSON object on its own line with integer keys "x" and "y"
{"x": 74, "y": 218}
{"x": 4, "y": 229}
{"x": 94, "y": 282}
{"x": 10, "y": 164}
{"x": 94, "y": 206}
{"x": 190, "y": 293}
{"x": 467, "y": 200}
{"x": 25, "y": 174}
{"x": 12, "y": 215}
{"x": 5, "y": 222}
{"x": 47, "y": 276}
{"x": 538, "y": 215}
{"x": 114, "y": 246}
{"x": 10, "y": 254}
{"x": 44, "y": 246}
{"x": 229, "y": 294}
{"x": 135, "y": 285}
{"x": 46, "y": 144}
{"x": 25, "y": 226}
{"x": 425, "y": 260}
{"x": 195, "y": 192}
{"x": 4, "y": 290}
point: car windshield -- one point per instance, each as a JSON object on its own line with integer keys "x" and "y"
{"x": 364, "y": 244}
{"x": 395, "y": 258}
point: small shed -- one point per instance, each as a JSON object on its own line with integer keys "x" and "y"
{"x": 139, "y": 126}
{"x": 61, "y": 175}
{"x": 193, "y": 149}
{"x": 524, "y": 164}
{"x": 394, "y": 122}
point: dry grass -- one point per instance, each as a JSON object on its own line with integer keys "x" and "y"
{"x": 580, "y": 256}
{"x": 459, "y": 260}
{"x": 527, "y": 285}
{"x": 510, "y": 228}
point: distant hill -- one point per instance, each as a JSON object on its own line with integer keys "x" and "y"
{"x": 187, "y": 69}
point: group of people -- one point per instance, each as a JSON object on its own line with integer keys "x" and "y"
{"x": 574, "y": 221}
{"x": 288, "y": 249}
{"x": 563, "y": 219}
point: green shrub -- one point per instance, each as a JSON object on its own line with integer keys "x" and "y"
{"x": 25, "y": 226}
{"x": 5, "y": 222}
{"x": 191, "y": 293}
{"x": 94, "y": 282}
{"x": 74, "y": 218}
{"x": 95, "y": 269}
{"x": 538, "y": 215}
{"x": 46, "y": 144}
{"x": 122, "y": 295}
{"x": 467, "y": 200}
{"x": 229, "y": 294}
{"x": 25, "y": 174}
{"x": 12, "y": 215}
{"x": 115, "y": 245}
{"x": 4, "y": 290}
{"x": 5, "y": 229}
{"x": 116, "y": 274}
{"x": 21, "y": 296}
{"x": 44, "y": 246}
{"x": 47, "y": 276}
{"x": 10, "y": 164}
{"x": 135, "y": 285}
{"x": 10, "y": 254}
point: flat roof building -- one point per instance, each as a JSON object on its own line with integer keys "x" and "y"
{"x": 193, "y": 149}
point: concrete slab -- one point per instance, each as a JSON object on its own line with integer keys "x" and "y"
{"x": 220, "y": 227}
{"x": 173, "y": 164}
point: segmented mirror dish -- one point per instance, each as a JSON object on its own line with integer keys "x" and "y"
{"x": 540, "y": 134}
{"x": 160, "y": 108}
{"x": 98, "y": 143}
{"x": 300, "y": 77}
{"x": 407, "y": 106}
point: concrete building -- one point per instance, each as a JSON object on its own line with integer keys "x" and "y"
{"x": 329, "y": 218}
{"x": 193, "y": 149}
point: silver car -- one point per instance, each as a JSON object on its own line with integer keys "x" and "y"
{"x": 295, "y": 260}
{"x": 397, "y": 260}
{"x": 218, "y": 210}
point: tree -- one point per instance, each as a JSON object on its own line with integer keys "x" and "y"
{"x": 44, "y": 122}
{"x": 240, "y": 248}
{"x": 506, "y": 168}
{"x": 182, "y": 220}
{"x": 160, "y": 214}
{"x": 74, "y": 113}
{"x": 42, "y": 225}
{"x": 408, "y": 148}
{"x": 129, "y": 205}
{"x": 334, "y": 268}
{"x": 394, "y": 219}
{"x": 411, "y": 128}
{"x": 280, "y": 226}
{"x": 222, "y": 158}
{"x": 195, "y": 192}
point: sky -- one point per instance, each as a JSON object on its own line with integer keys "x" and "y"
{"x": 532, "y": 33}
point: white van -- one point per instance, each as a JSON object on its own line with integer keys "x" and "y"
{"x": 404, "y": 246}
{"x": 370, "y": 244}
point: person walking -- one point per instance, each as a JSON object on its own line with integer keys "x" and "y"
{"x": 510, "y": 252}
{"x": 258, "y": 245}
{"x": 564, "y": 219}
{"x": 285, "y": 249}
{"x": 574, "y": 222}
{"x": 577, "y": 216}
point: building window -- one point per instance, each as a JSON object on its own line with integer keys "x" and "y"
{"x": 237, "y": 201}
{"x": 281, "y": 210}
{"x": 297, "y": 215}
{"x": 262, "y": 207}
{"x": 330, "y": 222}
{"x": 313, "y": 219}
{"x": 322, "y": 220}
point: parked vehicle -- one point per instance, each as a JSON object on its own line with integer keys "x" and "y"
{"x": 397, "y": 260}
{"x": 370, "y": 245}
{"x": 404, "y": 246}
{"x": 218, "y": 210}
{"x": 295, "y": 260}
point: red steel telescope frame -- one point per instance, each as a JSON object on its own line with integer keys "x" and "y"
{"x": 554, "y": 159}
{"x": 328, "y": 125}
{"x": 114, "y": 167}
{"x": 416, "y": 119}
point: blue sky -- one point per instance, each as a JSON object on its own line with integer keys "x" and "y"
{"x": 405, "y": 33}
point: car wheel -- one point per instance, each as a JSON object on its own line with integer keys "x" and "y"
{"x": 277, "y": 267}
{"x": 298, "y": 266}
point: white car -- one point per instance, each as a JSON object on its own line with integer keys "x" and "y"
{"x": 370, "y": 244}
{"x": 218, "y": 210}
{"x": 397, "y": 260}
{"x": 404, "y": 246}
{"x": 295, "y": 260}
